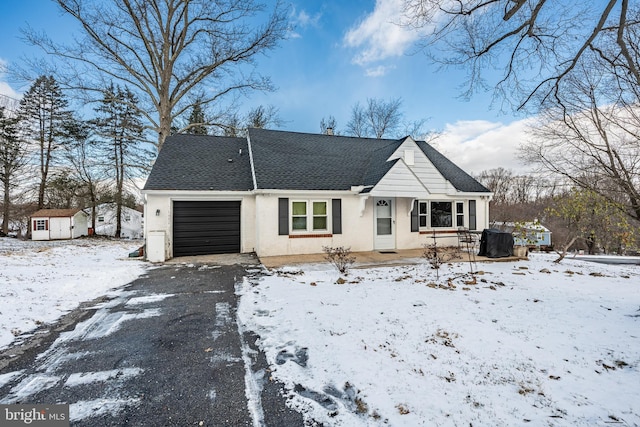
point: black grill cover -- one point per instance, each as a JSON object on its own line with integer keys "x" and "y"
{"x": 495, "y": 243}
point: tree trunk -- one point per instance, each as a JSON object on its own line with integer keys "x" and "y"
{"x": 5, "y": 208}
{"x": 563, "y": 253}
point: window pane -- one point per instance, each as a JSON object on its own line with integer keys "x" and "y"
{"x": 423, "y": 208}
{"x": 299, "y": 223}
{"x": 299, "y": 208}
{"x": 441, "y": 214}
{"x": 459, "y": 207}
{"x": 320, "y": 223}
{"x": 319, "y": 208}
{"x": 383, "y": 209}
{"x": 460, "y": 220}
{"x": 384, "y": 226}
{"x": 423, "y": 221}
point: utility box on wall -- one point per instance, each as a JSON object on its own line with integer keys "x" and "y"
{"x": 156, "y": 246}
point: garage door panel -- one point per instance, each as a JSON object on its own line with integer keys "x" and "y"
{"x": 209, "y": 227}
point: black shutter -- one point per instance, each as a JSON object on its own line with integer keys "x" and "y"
{"x": 283, "y": 216}
{"x": 415, "y": 226}
{"x": 336, "y": 215}
{"x": 472, "y": 215}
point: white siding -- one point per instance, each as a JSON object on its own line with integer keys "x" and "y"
{"x": 80, "y": 225}
{"x": 423, "y": 168}
{"x": 400, "y": 181}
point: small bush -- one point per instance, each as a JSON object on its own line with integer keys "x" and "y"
{"x": 340, "y": 257}
{"x": 436, "y": 256}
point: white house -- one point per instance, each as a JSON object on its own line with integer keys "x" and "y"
{"x": 528, "y": 233}
{"x": 131, "y": 222}
{"x": 56, "y": 224}
{"x": 287, "y": 193}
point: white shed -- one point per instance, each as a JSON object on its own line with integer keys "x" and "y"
{"x": 131, "y": 221}
{"x": 58, "y": 224}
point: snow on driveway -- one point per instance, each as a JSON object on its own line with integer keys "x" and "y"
{"x": 42, "y": 281}
{"x": 531, "y": 343}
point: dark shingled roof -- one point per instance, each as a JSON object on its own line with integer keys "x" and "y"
{"x": 201, "y": 162}
{"x": 304, "y": 161}
{"x": 461, "y": 180}
{"x": 285, "y": 161}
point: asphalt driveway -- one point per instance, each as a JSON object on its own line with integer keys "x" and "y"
{"x": 166, "y": 350}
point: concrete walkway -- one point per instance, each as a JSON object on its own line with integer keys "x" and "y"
{"x": 375, "y": 258}
{"x": 363, "y": 259}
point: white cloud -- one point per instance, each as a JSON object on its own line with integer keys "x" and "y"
{"x": 379, "y": 36}
{"x": 302, "y": 20}
{"x": 477, "y": 145}
{"x": 378, "y": 71}
{"x": 5, "y": 89}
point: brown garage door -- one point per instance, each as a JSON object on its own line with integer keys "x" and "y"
{"x": 201, "y": 228}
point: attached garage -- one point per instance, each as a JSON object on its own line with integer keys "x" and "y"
{"x": 206, "y": 227}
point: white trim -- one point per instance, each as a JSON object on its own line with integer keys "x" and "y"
{"x": 253, "y": 168}
{"x": 309, "y": 216}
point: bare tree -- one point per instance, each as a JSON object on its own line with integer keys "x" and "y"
{"x": 261, "y": 117}
{"x": 329, "y": 123}
{"x": 379, "y": 118}
{"x": 84, "y": 158}
{"x": 166, "y": 49}
{"x": 498, "y": 181}
{"x": 357, "y": 125}
{"x": 535, "y": 43}
{"x": 236, "y": 125}
{"x": 591, "y": 142}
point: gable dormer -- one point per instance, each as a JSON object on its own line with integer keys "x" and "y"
{"x": 415, "y": 159}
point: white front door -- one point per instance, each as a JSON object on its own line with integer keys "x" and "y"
{"x": 385, "y": 224}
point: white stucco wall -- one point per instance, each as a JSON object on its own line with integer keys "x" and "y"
{"x": 162, "y": 203}
{"x": 259, "y": 221}
{"x": 357, "y": 231}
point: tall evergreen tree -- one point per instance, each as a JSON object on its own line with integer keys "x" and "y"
{"x": 197, "y": 121}
{"x": 12, "y": 160}
{"x": 43, "y": 115}
{"x": 120, "y": 132}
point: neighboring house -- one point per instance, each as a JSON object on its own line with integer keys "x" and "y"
{"x": 56, "y": 224}
{"x": 131, "y": 223}
{"x": 531, "y": 233}
{"x": 287, "y": 193}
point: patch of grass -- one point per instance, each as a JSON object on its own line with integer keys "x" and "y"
{"x": 402, "y": 409}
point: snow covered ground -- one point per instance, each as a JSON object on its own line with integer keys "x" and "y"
{"x": 41, "y": 281}
{"x": 531, "y": 343}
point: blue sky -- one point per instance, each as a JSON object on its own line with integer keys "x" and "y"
{"x": 339, "y": 53}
